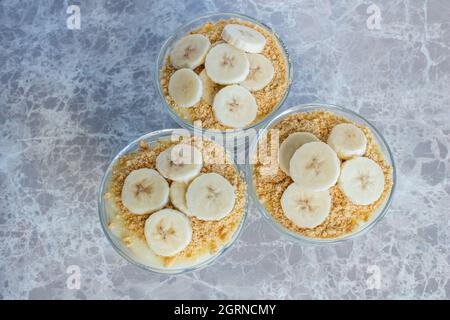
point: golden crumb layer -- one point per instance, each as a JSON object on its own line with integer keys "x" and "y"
{"x": 266, "y": 98}
{"x": 345, "y": 216}
{"x": 207, "y": 236}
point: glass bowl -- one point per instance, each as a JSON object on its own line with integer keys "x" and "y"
{"x": 354, "y": 117}
{"x": 105, "y": 210}
{"x": 233, "y": 134}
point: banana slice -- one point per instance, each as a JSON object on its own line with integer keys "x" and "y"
{"x": 144, "y": 191}
{"x": 361, "y": 180}
{"x": 234, "y": 106}
{"x": 185, "y": 87}
{"x": 347, "y": 140}
{"x": 178, "y": 196}
{"x": 209, "y": 88}
{"x": 180, "y": 163}
{"x": 167, "y": 232}
{"x": 314, "y": 166}
{"x": 210, "y": 197}
{"x": 306, "y": 209}
{"x": 190, "y": 51}
{"x": 244, "y": 38}
{"x": 290, "y": 145}
{"x": 225, "y": 64}
{"x": 260, "y": 74}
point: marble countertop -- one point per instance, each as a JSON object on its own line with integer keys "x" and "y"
{"x": 71, "y": 98}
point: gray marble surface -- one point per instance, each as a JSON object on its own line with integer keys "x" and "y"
{"x": 70, "y": 99}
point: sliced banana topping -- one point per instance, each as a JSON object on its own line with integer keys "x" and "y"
{"x": 209, "y": 88}
{"x": 347, "y": 140}
{"x": 314, "y": 166}
{"x": 181, "y": 162}
{"x": 210, "y": 197}
{"x": 167, "y": 232}
{"x": 189, "y": 51}
{"x": 361, "y": 180}
{"x": 225, "y": 64}
{"x": 185, "y": 87}
{"x": 306, "y": 209}
{"x": 178, "y": 196}
{"x": 234, "y": 106}
{"x": 260, "y": 74}
{"x": 244, "y": 38}
{"x": 290, "y": 145}
{"x": 144, "y": 191}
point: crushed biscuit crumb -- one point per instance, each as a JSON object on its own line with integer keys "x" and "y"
{"x": 168, "y": 261}
{"x": 127, "y": 241}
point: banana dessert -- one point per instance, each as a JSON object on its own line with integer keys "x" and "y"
{"x": 331, "y": 174}
{"x": 227, "y": 74}
{"x": 175, "y": 204}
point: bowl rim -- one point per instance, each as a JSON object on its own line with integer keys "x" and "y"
{"x": 113, "y": 241}
{"x": 308, "y": 107}
{"x": 166, "y": 46}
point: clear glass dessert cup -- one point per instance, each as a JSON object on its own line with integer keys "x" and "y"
{"x": 184, "y": 30}
{"x": 364, "y": 227}
{"x": 118, "y": 244}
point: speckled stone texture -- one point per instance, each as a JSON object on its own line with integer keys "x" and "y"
{"x": 70, "y": 99}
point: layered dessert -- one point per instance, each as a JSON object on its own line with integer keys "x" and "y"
{"x": 330, "y": 175}
{"x": 175, "y": 204}
{"x": 227, "y": 74}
